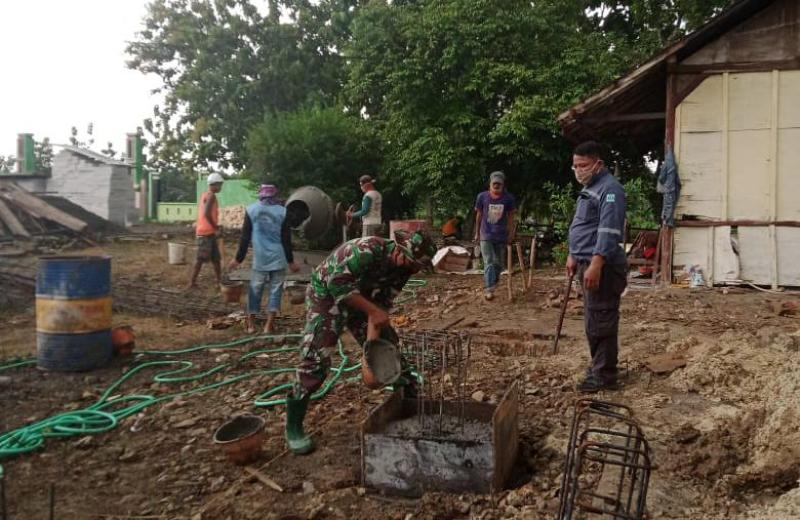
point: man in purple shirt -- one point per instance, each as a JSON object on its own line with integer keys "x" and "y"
{"x": 494, "y": 226}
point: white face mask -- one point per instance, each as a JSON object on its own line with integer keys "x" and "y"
{"x": 584, "y": 177}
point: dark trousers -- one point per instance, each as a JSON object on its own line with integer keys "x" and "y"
{"x": 601, "y": 319}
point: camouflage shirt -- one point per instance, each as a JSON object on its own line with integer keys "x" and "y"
{"x": 361, "y": 266}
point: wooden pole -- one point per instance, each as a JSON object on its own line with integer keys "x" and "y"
{"x": 510, "y": 267}
{"x": 532, "y": 262}
{"x": 522, "y": 267}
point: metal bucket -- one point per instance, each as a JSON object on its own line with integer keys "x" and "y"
{"x": 380, "y": 364}
{"x": 296, "y": 292}
{"x": 73, "y": 312}
{"x": 176, "y": 253}
{"x": 241, "y": 438}
{"x": 231, "y": 291}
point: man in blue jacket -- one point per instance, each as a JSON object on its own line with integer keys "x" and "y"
{"x": 266, "y": 226}
{"x": 596, "y": 257}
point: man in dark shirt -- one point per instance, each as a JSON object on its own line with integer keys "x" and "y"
{"x": 494, "y": 226}
{"x": 597, "y": 258}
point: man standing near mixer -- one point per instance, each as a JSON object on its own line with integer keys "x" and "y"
{"x": 371, "y": 206}
{"x": 266, "y": 227}
{"x": 208, "y": 231}
{"x": 354, "y": 288}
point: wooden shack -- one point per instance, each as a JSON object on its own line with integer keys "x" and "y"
{"x": 726, "y": 100}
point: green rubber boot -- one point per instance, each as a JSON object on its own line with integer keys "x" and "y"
{"x": 299, "y": 443}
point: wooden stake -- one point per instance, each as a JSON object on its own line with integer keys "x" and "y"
{"x": 532, "y": 263}
{"x": 510, "y": 267}
{"x": 264, "y": 479}
{"x": 522, "y": 267}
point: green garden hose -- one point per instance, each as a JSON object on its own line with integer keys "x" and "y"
{"x": 105, "y": 414}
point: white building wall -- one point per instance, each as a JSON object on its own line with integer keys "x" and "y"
{"x": 84, "y": 182}
{"x": 738, "y": 146}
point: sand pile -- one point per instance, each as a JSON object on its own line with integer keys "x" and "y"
{"x": 786, "y": 508}
{"x": 723, "y": 368}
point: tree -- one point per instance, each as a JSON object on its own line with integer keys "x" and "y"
{"x": 7, "y": 164}
{"x": 457, "y": 88}
{"x": 224, "y": 66}
{"x": 43, "y": 156}
{"x": 323, "y": 147}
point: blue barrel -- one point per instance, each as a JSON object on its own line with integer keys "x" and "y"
{"x": 73, "y": 312}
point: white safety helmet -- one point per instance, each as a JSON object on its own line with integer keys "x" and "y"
{"x": 215, "y": 178}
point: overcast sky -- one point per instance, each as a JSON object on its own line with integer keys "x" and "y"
{"x": 63, "y": 65}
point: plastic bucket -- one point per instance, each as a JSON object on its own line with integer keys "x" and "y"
{"x": 73, "y": 312}
{"x": 406, "y": 225}
{"x": 177, "y": 253}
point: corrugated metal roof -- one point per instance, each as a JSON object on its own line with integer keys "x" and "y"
{"x": 643, "y": 88}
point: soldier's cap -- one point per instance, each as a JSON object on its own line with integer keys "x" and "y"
{"x": 417, "y": 246}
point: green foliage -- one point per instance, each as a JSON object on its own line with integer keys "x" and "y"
{"x": 435, "y": 93}
{"x": 560, "y": 253}
{"x": 225, "y": 65}
{"x": 43, "y": 156}
{"x": 7, "y": 164}
{"x": 640, "y": 193}
{"x": 562, "y": 201}
{"x": 323, "y": 147}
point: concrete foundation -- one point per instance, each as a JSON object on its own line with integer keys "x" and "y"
{"x": 474, "y": 455}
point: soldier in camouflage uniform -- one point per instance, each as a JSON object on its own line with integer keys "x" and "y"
{"x": 354, "y": 288}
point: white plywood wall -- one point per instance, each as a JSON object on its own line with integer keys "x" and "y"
{"x": 738, "y": 148}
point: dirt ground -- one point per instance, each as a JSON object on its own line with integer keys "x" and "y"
{"x": 724, "y": 429}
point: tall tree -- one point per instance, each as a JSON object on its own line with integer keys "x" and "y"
{"x": 225, "y": 65}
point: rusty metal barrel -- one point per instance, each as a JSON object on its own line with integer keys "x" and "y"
{"x": 73, "y": 312}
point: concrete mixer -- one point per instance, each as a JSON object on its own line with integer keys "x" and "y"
{"x": 311, "y": 211}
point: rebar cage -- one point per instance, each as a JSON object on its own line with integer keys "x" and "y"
{"x": 440, "y": 359}
{"x": 608, "y": 463}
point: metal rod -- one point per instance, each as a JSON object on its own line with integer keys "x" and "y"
{"x": 563, "y": 312}
{"x": 605, "y": 438}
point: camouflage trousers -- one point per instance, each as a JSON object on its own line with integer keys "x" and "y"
{"x": 325, "y": 322}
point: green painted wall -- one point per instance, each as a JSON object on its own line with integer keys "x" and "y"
{"x": 176, "y": 211}
{"x": 235, "y": 192}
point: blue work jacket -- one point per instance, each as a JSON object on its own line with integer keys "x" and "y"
{"x": 599, "y": 220}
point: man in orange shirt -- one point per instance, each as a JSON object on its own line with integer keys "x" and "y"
{"x": 208, "y": 230}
